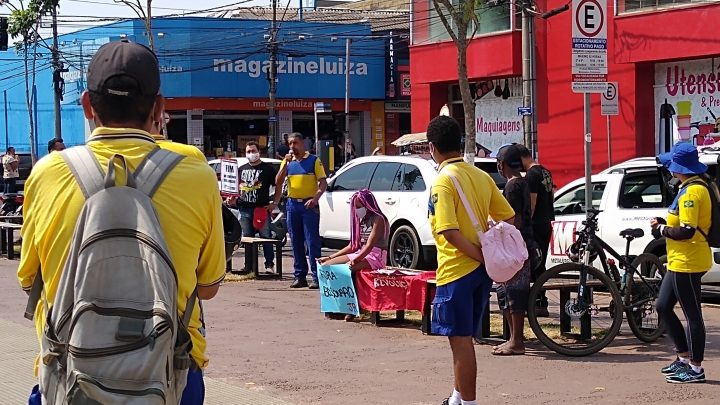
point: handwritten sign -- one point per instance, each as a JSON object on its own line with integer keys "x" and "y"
{"x": 229, "y": 177}
{"x": 337, "y": 291}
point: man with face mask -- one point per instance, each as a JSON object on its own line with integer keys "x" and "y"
{"x": 255, "y": 202}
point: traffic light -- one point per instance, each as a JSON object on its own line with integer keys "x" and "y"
{"x": 4, "y": 34}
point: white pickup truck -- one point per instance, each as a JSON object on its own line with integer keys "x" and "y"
{"x": 629, "y": 195}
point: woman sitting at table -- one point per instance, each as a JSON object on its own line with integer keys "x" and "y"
{"x": 369, "y": 238}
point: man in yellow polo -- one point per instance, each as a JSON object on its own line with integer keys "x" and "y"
{"x": 123, "y": 99}
{"x": 306, "y": 183}
{"x": 463, "y": 285}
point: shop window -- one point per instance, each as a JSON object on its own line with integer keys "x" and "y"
{"x": 429, "y": 28}
{"x": 626, "y": 6}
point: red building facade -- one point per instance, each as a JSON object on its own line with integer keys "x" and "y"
{"x": 664, "y": 51}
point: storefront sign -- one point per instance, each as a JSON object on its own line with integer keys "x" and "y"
{"x": 337, "y": 291}
{"x": 405, "y": 84}
{"x": 692, "y": 88}
{"x": 397, "y": 106}
{"x": 497, "y": 122}
{"x": 229, "y": 177}
{"x": 377, "y": 114}
{"x": 236, "y": 66}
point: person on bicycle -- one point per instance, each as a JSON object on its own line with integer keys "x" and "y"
{"x": 513, "y": 295}
{"x": 689, "y": 258}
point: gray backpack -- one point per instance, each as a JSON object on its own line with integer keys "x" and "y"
{"x": 113, "y": 334}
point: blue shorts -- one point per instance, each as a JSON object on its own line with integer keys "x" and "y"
{"x": 459, "y": 306}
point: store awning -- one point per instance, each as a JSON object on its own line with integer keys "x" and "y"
{"x": 410, "y": 139}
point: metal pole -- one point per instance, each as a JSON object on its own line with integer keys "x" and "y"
{"x": 56, "y": 76}
{"x": 272, "y": 119}
{"x": 316, "y": 130}
{"x": 7, "y": 131}
{"x": 609, "y": 131}
{"x": 588, "y": 153}
{"x": 348, "y": 41}
{"x": 527, "y": 87}
{"x": 533, "y": 89}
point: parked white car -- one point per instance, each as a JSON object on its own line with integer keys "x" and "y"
{"x": 629, "y": 195}
{"x": 401, "y": 185}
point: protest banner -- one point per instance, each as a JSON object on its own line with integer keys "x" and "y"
{"x": 337, "y": 292}
{"x": 229, "y": 177}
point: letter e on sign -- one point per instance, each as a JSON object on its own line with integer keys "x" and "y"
{"x": 590, "y": 18}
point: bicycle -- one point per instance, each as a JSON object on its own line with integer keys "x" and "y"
{"x": 590, "y": 302}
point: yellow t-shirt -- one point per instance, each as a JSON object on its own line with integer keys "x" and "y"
{"x": 303, "y": 176}
{"x": 179, "y": 148}
{"x": 188, "y": 207}
{"x": 692, "y": 207}
{"x": 447, "y": 212}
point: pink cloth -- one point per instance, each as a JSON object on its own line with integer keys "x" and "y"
{"x": 377, "y": 258}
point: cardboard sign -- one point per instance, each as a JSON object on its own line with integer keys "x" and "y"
{"x": 337, "y": 291}
{"x": 229, "y": 177}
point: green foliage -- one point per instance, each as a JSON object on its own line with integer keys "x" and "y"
{"x": 23, "y": 20}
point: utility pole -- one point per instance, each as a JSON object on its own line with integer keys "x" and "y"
{"x": 528, "y": 77}
{"x": 272, "y": 78}
{"x": 348, "y": 41}
{"x": 57, "y": 76}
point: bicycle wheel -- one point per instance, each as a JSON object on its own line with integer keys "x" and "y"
{"x": 643, "y": 319}
{"x": 576, "y": 327}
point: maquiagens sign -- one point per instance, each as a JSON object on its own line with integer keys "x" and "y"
{"x": 497, "y": 122}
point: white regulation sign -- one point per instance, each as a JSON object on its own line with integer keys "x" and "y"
{"x": 589, "y": 46}
{"x": 610, "y": 101}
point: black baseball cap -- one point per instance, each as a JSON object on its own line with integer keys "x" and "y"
{"x": 124, "y": 59}
{"x": 511, "y": 155}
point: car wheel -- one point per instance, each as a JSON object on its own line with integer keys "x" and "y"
{"x": 405, "y": 249}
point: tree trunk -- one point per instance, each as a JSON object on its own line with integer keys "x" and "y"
{"x": 148, "y": 26}
{"x": 33, "y": 149}
{"x": 28, "y": 99}
{"x": 468, "y": 103}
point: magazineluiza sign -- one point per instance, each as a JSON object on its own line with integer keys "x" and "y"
{"x": 322, "y": 66}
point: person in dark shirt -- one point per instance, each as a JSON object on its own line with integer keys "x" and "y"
{"x": 255, "y": 202}
{"x": 540, "y": 181}
{"x": 283, "y": 149}
{"x": 513, "y": 294}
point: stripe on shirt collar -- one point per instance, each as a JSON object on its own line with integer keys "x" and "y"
{"x": 451, "y": 161}
{"x": 104, "y": 133}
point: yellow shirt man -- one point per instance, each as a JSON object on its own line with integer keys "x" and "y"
{"x": 448, "y": 213}
{"x": 188, "y": 207}
{"x": 303, "y": 176}
{"x": 692, "y": 208}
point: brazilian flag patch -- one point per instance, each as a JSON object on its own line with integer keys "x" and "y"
{"x": 434, "y": 198}
{"x": 689, "y": 204}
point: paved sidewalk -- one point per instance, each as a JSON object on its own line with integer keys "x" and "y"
{"x": 20, "y": 346}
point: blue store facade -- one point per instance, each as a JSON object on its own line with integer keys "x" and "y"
{"x": 214, "y": 76}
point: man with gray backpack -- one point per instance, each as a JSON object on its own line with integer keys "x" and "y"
{"x": 121, "y": 241}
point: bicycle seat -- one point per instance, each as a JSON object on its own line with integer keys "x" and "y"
{"x": 631, "y": 233}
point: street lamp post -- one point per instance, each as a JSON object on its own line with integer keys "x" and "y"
{"x": 348, "y": 41}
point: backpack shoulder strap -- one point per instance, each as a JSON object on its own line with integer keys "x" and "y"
{"x": 91, "y": 179}
{"x": 150, "y": 174}
{"x": 85, "y": 168}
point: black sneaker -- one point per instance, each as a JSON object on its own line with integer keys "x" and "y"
{"x": 314, "y": 285}
{"x": 299, "y": 284}
{"x": 675, "y": 367}
{"x": 686, "y": 376}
